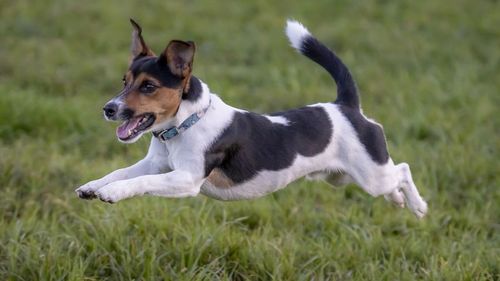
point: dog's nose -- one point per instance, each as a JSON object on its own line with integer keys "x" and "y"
{"x": 110, "y": 109}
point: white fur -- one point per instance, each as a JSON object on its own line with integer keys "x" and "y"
{"x": 277, "y": 119}
{"x": 295, "y": 32}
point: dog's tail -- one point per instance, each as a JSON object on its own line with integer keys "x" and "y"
{"x": 302, "y": 40}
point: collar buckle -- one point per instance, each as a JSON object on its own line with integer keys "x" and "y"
{"x": 165, "y": 135}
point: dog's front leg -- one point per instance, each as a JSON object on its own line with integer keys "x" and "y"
{"x": 140, "y": 168}
{"x": 153, "y": 163}
{"x": 173, "y": 184}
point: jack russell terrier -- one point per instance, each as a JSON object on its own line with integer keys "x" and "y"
{"x": 202, "y": 145}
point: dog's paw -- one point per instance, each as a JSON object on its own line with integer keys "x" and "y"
{"x": 86, "y": 191}
{"x": 113, "y": 192}
{"x": 419, "y": 209}
{"x": 106, "y": 197}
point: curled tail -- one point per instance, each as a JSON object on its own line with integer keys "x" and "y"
{"x": 302, "y": 40}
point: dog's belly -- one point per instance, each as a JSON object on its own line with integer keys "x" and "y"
{"x": 219, "y": 186}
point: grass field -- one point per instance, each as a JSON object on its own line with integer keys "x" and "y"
{"x": 427, "y": 70}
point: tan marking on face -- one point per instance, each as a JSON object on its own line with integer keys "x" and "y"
{"x": 219, "y": 179}
{"x": 164, "y": 102}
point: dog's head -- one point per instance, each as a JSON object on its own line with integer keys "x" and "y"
{"x": 152, "y": 87}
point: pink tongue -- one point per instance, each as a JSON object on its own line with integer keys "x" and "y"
{"x": 123, "y": 131}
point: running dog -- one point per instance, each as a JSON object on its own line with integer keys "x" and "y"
{"x": 202, "y": 145}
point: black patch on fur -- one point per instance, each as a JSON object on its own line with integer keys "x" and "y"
{"x": 195, "y": 90}
{"x": 371, "y": 135}
{"x": 252, "y": 143}
{"x": 157, "y": 68}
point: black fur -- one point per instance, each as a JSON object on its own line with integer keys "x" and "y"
{"x": 347, "y": 93}
{"x": 157, "y": 68}
{"x": 371, "y": 135}
{"x": 252, "y": 143}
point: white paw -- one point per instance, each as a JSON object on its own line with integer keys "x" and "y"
{"x": 112, "y": 192}
{"x": 419, "y": 209}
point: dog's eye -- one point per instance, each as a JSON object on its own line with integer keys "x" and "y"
{"x": 124, "y": 81}
{"x": 147, "y": 87}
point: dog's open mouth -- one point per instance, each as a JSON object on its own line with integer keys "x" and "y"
{"x": 134, "y": 126}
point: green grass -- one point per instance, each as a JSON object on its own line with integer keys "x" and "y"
{"x": 427, "y": 70}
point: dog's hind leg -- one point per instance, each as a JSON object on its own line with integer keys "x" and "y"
{"x": 393, "y": 181}
{"x": 416, "y": 204}
{"x": 340, "y": 179}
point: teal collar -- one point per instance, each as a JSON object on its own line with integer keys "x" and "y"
{"x": 169, "y": 133}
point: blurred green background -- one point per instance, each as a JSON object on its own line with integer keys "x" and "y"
{"x": 427, "y": 70}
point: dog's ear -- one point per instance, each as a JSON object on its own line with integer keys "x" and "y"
{"x": 138, "y": 47}
{"x": 179, "y": 57}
